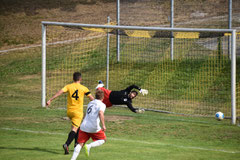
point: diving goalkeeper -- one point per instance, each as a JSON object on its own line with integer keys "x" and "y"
{"x": 122, "y": 97}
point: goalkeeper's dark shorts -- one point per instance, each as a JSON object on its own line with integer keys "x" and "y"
{"x": 106, "y": 96}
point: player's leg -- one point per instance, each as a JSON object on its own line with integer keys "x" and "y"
{"x": 71, "y": 136}
{"x": 76, "y": 118}
{"x": 93, "y": 144}
{"x": 83, "y": 137}
{"x": 98, "y": 138}
{"x": 76, "y": 151}
{"x": 76, "y": 137}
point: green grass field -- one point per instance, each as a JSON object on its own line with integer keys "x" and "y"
{"x": 197, "y": 82}
{"x": 37, "y": 133}
{"x": 29, "y": 131}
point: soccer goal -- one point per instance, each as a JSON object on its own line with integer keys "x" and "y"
{"x": 198, "y": 78}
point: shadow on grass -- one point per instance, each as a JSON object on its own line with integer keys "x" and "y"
{"x": 30, "y": 149}
{"x": 174, "y": 118}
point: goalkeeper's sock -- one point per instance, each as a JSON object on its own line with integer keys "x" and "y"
{"x": 71, "y": 136}
{"x": 96, "y": 143}
{"x": 76, "y": 152}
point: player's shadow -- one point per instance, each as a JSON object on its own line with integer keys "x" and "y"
{"x": 30, "y": 149}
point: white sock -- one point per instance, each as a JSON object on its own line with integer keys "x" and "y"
{"x": 76, "y": 152}
{"x": 96, "y": 143}
{"x": 100, "y": 85}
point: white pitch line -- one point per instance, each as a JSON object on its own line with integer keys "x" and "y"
{"x": 30, "y": 131}
{"x": 53, "y": 43}
{"x": 172, "y": 145}
{"x": 130, "y": 141}
{"x": 20, "y": 48}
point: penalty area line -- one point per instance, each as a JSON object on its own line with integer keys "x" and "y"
{"x": 31, "y": 131}
{"x": 129, "y": 141}
{"x": 173, "y": 145}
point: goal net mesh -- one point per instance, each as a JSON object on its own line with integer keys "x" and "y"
{"x": 196, "y": 81}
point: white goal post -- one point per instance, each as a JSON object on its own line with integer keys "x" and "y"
{"x": 115, "y": 27}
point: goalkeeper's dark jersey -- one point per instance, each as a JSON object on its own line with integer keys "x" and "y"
{"x": 121, "y": 97}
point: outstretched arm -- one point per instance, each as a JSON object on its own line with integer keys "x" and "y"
{"x": 143, "y": 91}
{"x": 129, "y": 88}
{"x": 53, "y": 97}
{"x": 90, "y": 97}
{"x": 101, "y": 116}
{"x": 129, "y": 105}
{"x": 134, "y": 109}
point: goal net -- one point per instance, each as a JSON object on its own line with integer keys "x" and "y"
{"x": 194, "y": 80}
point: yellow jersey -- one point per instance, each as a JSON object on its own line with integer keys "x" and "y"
{"x": 75, "y": 96}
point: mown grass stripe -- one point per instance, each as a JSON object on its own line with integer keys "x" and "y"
{"x": 130, "y": 141}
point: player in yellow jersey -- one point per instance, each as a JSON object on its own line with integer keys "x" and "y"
{"x": 75, "y": 97}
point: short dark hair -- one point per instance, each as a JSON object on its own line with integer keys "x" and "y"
{"x": 76, "y": 76}
{"x": 99, "y": 94}
{"x": 135, "y": 92}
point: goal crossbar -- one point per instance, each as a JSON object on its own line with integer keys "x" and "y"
{"x": 137, "y": 27}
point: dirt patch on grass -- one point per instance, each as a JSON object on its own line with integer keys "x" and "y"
{"x": 65, "y": 118}
{"x": 117, "y": 118}
{"x": 15, "y": 118}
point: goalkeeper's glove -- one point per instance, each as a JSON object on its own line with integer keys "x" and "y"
{"x": 143, "y": 91}
{"x": 140, "y": 110}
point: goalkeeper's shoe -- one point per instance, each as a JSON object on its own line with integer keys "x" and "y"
{"x": 100, "y": 84}
{"x": 65, "y": 147}
{"x": 87, "y": 150}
